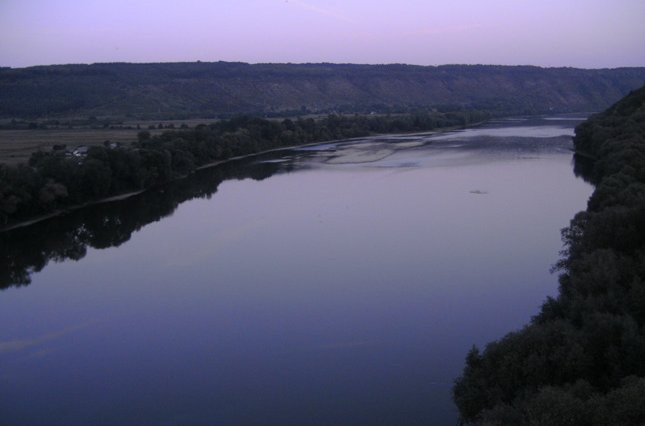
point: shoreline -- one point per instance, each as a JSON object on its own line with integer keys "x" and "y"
{"x": 127, "y": 195}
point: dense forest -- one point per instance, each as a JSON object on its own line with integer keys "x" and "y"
{"x": 581, "y": 360}
{"x": 188, "y": 90}
{"x": 53, "y": 180}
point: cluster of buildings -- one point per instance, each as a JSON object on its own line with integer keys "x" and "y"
{"x": 80, "y": 151}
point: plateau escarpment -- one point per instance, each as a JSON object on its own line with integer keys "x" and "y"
{"x": 181, "y": 90}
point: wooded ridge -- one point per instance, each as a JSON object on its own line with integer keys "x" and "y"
{"x": 581, "y": 360}
{"x": 183, "y": 90}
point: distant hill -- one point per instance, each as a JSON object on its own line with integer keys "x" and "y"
{"x": 182, "y": 90}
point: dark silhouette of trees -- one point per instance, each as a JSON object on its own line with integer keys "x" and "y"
{"x": 53, "y": 180}
{"x": 581, "y": 360}
{"x": 29, "y": 249}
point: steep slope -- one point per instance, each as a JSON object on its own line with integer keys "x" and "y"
{"x": 581, "y": 361}
{"x": 206, "y": 89}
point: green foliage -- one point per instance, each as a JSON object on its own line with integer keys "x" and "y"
{"x": 581, "y": 361}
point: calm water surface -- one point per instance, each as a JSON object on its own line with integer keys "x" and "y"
{"x": 337, "y": 284}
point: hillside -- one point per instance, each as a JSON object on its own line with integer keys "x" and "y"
{"x": 581, "y": 360}
{"x": 181, "y": 90}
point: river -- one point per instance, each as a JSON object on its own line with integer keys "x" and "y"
{"x": 341, "y": 283}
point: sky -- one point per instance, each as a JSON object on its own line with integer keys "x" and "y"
{"x": 577, "y": 33}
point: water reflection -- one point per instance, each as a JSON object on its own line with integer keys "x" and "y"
{"x": 27, "y": 250}
{"x": 347, "y": 292}
{"x": 583, "y": 167}
{"x": 24, "y": 251}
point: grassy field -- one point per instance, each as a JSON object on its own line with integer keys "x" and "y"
{"x": 17, "y": 145}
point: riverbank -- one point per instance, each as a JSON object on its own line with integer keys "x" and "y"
{"x": 235, "y": 240}
{"x": 70, "y": 209}
{"x": 580, "y": 359}
{"x": 111, "y": 198}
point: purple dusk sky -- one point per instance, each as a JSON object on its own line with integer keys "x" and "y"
{"x": 578, "y": 33}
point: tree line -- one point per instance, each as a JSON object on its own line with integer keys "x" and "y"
{"x": 581, "y": 360}
{"x": 53, "y": 181}
{"x": 28, "y": 249}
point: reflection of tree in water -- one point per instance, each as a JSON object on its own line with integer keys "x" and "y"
{"x": 583, "y": 167}
{"x": 24, "y": 251}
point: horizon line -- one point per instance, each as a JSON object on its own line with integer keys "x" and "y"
{"x": 319, "y": 63}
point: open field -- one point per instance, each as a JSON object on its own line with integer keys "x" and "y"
{"x": 17, "y": 145}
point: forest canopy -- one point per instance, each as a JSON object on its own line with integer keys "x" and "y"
{"x": 54, "y": 180}
{"x": 581, "y": 360}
